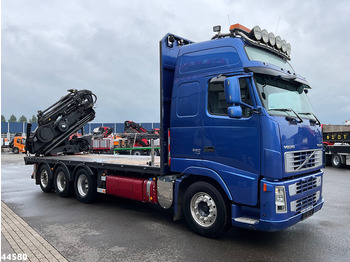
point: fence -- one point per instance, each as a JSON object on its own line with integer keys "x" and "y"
{"x": 12, "y": 128}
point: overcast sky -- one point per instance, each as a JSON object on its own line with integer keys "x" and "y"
{"x": 111, "y": 48}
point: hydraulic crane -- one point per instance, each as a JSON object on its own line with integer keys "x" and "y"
{"x": 59, "y": 121}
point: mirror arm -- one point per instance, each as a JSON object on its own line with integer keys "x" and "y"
{"x": 255, "y": 109}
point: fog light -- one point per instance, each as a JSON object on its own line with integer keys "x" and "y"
{"x": 289, "y": 49}
{"x": 256, "y": 33}
{"x": 265, "y": 36}
{"x": 284, "y": 46}
{"x": 278, "y": 42}
{"x": 272, "y": 40}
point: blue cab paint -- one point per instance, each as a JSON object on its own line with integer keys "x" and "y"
{"x": 250, "y": 156}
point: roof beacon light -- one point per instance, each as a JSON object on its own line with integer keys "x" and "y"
{"x": 265, "y": 36}
{"x": 240, "y": 28}
{"x": 272, "y": 40}
{"x": 278, "y": 42}
{"x": 256, "y": 33}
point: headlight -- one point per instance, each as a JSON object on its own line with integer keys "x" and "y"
{"x": 280, "y": 199}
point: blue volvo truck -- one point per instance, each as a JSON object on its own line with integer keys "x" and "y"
{"x": 240, "y": 143}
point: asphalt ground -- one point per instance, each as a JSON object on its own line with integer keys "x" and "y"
{"x": 115, "y": 229}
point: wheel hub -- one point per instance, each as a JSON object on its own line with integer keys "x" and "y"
{"x": 203, "y": 209}
{"x": 61, "y": 181}
{"x": 44, "y": 178}
{"x": 83, "y": 185}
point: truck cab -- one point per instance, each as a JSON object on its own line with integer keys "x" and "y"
{"x": 18, "y": 144}
{"x": 240, "y": 120}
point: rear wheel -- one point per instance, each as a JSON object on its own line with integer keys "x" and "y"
{"x": 205, "y": 210}
{"x": 45, "y": 178}
{"x": 336, "y": 160}
{"x": 85, "y": 186}
{"x": 15, "y": 150}
{"x": 63, "y": 187}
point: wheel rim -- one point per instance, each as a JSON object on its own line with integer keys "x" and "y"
{"x": 203, "y": 209}
{"x": 83, "y": 185}
{"x": 44, "y": 178}
{"x": 336, "y": 160}
{"x": 61, "y": 181}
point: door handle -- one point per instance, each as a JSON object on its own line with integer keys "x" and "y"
{"x": 209, "y": 149}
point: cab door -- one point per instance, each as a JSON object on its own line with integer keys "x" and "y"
{"x": 232, "y": 145}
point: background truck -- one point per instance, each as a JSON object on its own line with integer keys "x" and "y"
{"x": 240, "y": 144}
{"x": 18, "y": 144}
{"x": 336, "y": 139}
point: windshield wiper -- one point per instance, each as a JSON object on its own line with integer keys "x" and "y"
{"x": 287, "y": 110}
{"x": 316, "y": 121}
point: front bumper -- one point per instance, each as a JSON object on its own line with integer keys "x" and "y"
{"x": 303, "y": 199}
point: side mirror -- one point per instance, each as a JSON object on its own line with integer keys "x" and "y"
{"x": 234, "y": 112}
{"x": 232, "y": 90}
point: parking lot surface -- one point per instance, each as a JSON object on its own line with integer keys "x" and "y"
{"x": 115, "y": 229}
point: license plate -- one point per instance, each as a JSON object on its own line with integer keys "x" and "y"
{"x": 307, "y": 214}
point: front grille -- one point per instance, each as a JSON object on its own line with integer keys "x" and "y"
{"x": 304, "y": 203}
{"x": 306, "y": 184}
{"x": 302, "y": 160}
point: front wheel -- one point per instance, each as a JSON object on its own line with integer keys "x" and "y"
{"x": 85, "y": 186}
{"x": 45, "y": 178}
{"x": 205, "y": 210}
{"x": 137, "y": 153}
{"x": 15, "y": 150}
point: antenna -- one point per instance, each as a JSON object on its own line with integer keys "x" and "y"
{"x": 279, "y": 19}
{"x": 229, "y": 21}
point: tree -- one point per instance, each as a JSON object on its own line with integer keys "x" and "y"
{"x": 22, "y": 119}
{"x": 33, "y": 120}
{"x": 3, "y": 118}
{"x": 13, "y": 118}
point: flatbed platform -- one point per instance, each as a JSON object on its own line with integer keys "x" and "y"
{"x": 111, "y": 162}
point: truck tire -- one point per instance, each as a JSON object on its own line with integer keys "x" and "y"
{"x": 63, "y": 187}
{"x": 85, "y": 186}
{"x": 336, "y": 160}
{"x": 137, "y": 153}
{"x": 205, "y": 210}
{"x": 15, "y": 150}
{"x": 45, "y": 178}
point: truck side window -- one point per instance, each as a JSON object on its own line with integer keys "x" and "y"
{"x": 245, "y": 98}
{"x": 217, "y": 103}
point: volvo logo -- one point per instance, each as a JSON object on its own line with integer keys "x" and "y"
{"x": 289, "y": 147}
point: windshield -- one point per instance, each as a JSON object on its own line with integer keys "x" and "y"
{"x": 258, "y": 54}
{"x": 285, "y": 98}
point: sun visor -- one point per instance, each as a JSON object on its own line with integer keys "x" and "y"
{"x": 273, "y": 72}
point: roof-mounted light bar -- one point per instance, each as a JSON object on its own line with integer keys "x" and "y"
{"x": 262, "y": 38}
